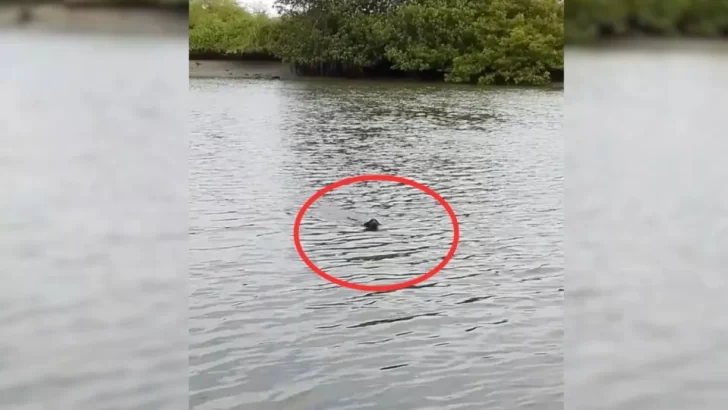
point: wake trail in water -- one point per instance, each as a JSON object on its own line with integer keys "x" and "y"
{"x": 328, "y": 211}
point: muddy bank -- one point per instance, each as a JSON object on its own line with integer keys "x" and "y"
{"x": 272, "y": 70}
{"x": 276, "y": 70}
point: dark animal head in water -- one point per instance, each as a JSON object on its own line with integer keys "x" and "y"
{"x": 372, "y": 225}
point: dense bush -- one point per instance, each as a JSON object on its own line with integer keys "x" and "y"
{"x": 589, "y": 20}
{"x": 222, "y": 27}
{"x": 485, "y": 41}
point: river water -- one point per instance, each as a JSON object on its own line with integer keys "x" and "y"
{"x": 268, "y": 333}
{"x": 93, "y": 244}
{"x": 648, "y": 227}
{"x": 93, "y": 221}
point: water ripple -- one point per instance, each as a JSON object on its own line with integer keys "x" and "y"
{"x": 267, "y": 333}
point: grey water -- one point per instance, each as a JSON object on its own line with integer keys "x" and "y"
{"x": 647, "y": 230}
{"x": 268, "y": 333}
{"x": 93, "y": 221}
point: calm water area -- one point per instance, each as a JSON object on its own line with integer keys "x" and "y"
{"x": 268, "y": 333}
{"x": 647, "y": 232}
{"x": 93, "y": 222}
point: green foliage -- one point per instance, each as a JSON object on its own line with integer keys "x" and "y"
{"x": 483, "y": 41}
{"x": 513, "y": 41}
{"x": 221, "y": 26}
{"x": 590, "y": 20}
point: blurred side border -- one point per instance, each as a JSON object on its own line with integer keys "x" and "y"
{"x": 98, "y": 16}
{"x": 595, "y": 21}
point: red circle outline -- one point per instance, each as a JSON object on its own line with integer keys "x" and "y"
{"x": 375, "y": 288}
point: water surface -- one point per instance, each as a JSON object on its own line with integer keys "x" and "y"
{"x": 267, "y": 333}
{"x": 647, "y": 233}
{"x": 93, "y": 222}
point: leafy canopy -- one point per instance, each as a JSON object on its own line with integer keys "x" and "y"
{"x": 485, "y": 41}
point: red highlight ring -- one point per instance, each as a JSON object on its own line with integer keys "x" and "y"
{"x": 375, "y": 288}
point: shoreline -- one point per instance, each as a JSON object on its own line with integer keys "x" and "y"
{"x": 277, "y": 70}
{"x": 260, "y": 70}
{"x": 655, "y": 43}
